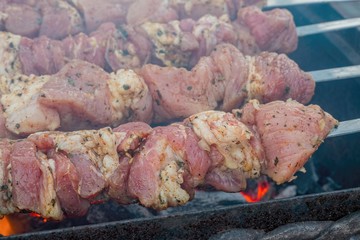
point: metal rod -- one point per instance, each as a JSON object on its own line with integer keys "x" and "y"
{"x": 284, "y": 3}
{"x": 336, "y": 73}
{"x": 327, "y": 26}
{"x": 346, "y": 127}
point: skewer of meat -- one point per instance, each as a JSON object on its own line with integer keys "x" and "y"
{"x": 177, "y": 43}
{"x": 83, "y": 96}
{"x": 164, "y": 11}
{"x": 59, "y": 174}
{"x": 57, "y": 19}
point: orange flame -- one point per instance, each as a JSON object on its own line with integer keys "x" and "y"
{"x": 18, "y": 223}
{"x": 262, "y": 189}
{"x": 5, "y": 227}
{"x": 33, "y": 214}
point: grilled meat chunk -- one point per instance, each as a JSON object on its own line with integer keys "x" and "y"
{"x": 55, "y": 19}
{"x": 80, "y": 96}
{"x": 21, "y": 19}
{"x": 94, "y": 14}
{"x": 59, "y": 174}
{"x": 67, "y": 184}
{"x": 232, "y": 146}
{"x": 104, "y": 47}
{"x": 289, "y": 134}
{"x": 83, "y": 96}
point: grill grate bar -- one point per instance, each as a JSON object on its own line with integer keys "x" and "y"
{"x": 284, "y": 3}
{"x": 336, "y": 73}
{"x": 311, "y": 29}
{"x": 346, "y": 127}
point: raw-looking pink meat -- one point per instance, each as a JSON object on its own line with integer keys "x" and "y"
{"x": 290, "y": 133}
{"x": 22, "y": 20}
{"x": 91, "y": 181}
{"x": 67, "y": 184}
{"x": 225, "y": 80}
{"x": 80, "y": 89}
{"x": 25, "y": 175}
{"x": 272, "y": 30}
{"x": 159, "y": 167}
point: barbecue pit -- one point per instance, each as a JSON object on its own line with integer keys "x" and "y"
{"x": 329, "y": 191}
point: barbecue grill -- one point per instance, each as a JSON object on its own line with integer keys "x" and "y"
{"x": 327, "y": 197}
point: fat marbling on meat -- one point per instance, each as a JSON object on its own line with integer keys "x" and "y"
{"x": 60, "y": 174}
{"x": 82, "y": 95}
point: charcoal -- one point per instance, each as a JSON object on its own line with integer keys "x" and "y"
{"x": 289, "y": 191}
{"x": 355, "y": 237}
{"x": 207, "y": 200}
{"x": 238, "y": 234}
{"x": 112, "y": 211}
{"x": 344, "y": 228}
{"x": 299, "y": 230}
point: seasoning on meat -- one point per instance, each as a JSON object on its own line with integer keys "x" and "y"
{"x": 59, "y": 174}
{"x": 89, "y": 97}
{"x": 225, "y": 80}
{"x": 59, "y": 18}
{"x": 82, "y": 95}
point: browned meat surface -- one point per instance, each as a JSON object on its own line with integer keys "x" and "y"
{"x": 83, "y": 96}
{"x": 175, "y": 43}
{"x": 59, "y": 174}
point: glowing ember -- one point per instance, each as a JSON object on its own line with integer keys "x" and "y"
{"x": 38, "y": 216}
{"x": 262, "y": 189}
{"x": 5, "y": 227}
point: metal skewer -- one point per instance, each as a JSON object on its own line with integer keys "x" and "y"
{"x": 319, "y": 27}
{"x": 336, "y": 73}
{"x": 283, "y": 3}
{"x": 327, "y": 26}
{"x": 346, "y": 127}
